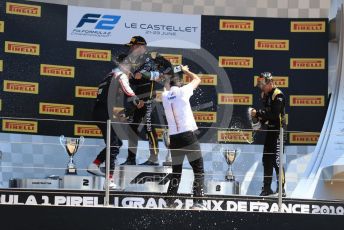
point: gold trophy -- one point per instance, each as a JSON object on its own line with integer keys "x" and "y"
{"x": 71, "y": 145}
{"x": 230, "y": 156}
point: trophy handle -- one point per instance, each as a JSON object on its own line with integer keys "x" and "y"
{"x": 81, "y": 140}
{"x": 62, "y": 141}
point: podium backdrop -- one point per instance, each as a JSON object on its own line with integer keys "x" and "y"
{"x": 42, "y": 75}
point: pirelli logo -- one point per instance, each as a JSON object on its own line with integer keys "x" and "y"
{"x": 304, "y": 138}
{"x": 158, "y": 97}
{"x": 19, "y": 126}
{"x": 280, "y": 81}
{"x": 21, "y": 48}
{"x": 206, "y": 79}
{"x": 1, "y": 65}
{"x": 236, "y": 62}
{"x": 269, "y": 44}
{"x": 57, "y": 70}
{"x": 93, "y": 54}
{"x": 307, "y": 26}
{"x": 87, "y": 130}
{"x": 20, "y": 87}
{"x": 236, "y": 25}
{"x": 306, "y": 100}
{"x": 159, "y": 132}
{"x": 86, "y": 92}
{"x": 203, "y": 116}
{"x": 307, "y": 63}
{"x": 2, "y": 26}
{"x": 234, "y": 99}
{"x": 23, "y": 9}
{"x": 0, "y": 104}
{"x": 234, "y": 136}
{"x": 56, "y": 109}
{"x": 175, "y": 59}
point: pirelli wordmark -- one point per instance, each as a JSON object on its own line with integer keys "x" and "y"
{"x": 56, "y": 109}
{"x": 22, "y": 48}
{"x": 19, "y": 126}
{"x": 307, "y": 100}
{"x": 23, "y": 9}
{"x": 235, "y": 99}
{"x": 236, "y": 25}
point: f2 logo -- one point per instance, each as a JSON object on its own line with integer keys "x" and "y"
{"x": 108, "y": 22}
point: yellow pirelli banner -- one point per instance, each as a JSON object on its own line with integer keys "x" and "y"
{"x": 206, "y": 79}
{"x": 234, "y": 136}
{"x": 93, "y": 54}
{"x": 307, "y": 26}
{"x": 23, "y": 9}
{"x": 87, "y": 130}
{"x": 1, "y": 65}
{"x": 304, "y": 138}
{"x": 235, "y": 62}
{"x": 21, "y": 87}
{"x": 307, "y": 100}
{"x": 57, "y": 70}
{"x": 19, "y": 126}
{"x": 205, "y": 116}
{"x": 271, "y": 44}
{"x": 307, "y": 63}
{"x": 280, "y": 81}
{"x": 86, "y": 92}
{"x": 236, "y": 25}
{"x": 234, "y": 99}
{"x": 2, "y": 26}
{"x": 22, "y": 48}
{"x": 56, "y": 109}
{"x": 175, "y": 59}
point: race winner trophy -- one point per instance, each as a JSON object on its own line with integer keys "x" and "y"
{"x": 71, "y": 145}
{"x": 230, "y": 156}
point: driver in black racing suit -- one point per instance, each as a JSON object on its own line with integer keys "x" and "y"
{"x": 273, "y": 115}
{"x": 148, "y": 68}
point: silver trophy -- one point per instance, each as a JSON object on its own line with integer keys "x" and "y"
{"x": 71, "y": 145}
{"x": 166, "y": 140}
{"x": 230, "y": 156}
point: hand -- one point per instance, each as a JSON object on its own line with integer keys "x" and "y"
{"x": 185, "y": 68}
{"x": 140, "y": 104}
{"x": 253, "y": 113}
{"x": 138, "y": 76}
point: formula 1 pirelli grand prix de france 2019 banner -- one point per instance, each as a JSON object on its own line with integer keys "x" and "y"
{"x": 152, "y": 201}
{"x": 52, "y": 58}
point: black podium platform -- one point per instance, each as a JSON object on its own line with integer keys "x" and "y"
{"x": 67, "y": 209}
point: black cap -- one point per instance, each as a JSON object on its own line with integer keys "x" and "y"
{"x": 136, "y": 40}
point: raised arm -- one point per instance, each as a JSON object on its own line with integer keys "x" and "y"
{"x": 195, "y": 79}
